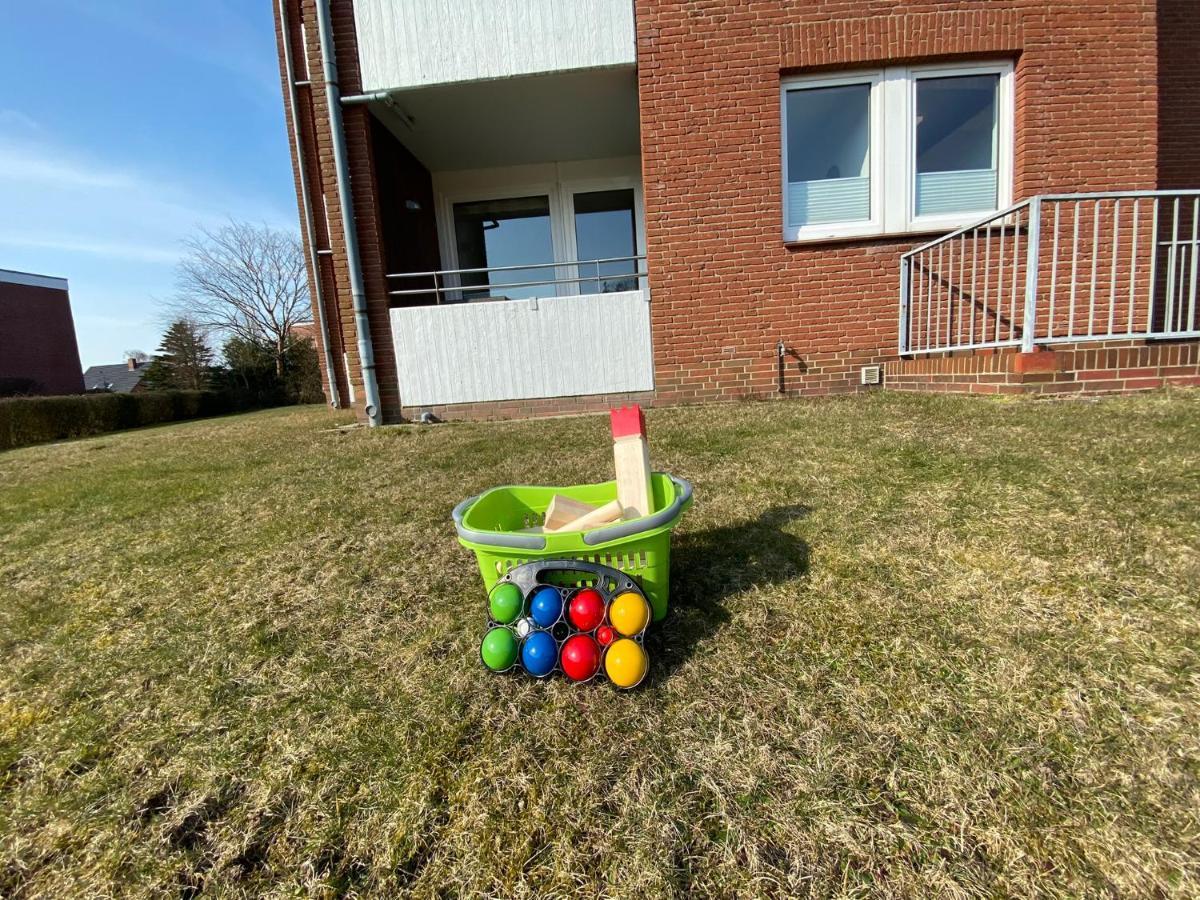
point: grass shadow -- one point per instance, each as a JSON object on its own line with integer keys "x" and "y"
{"x": 709, "y": 566}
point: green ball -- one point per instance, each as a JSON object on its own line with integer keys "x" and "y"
{"x": 499, "y": 649}
{"x": 505, "y": 602}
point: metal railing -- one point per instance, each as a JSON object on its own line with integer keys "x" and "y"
{"x": 590, "y": 276}
{"x": 1057, "y": 268}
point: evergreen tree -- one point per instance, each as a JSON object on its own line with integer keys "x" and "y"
{"x": 302, "y": 373}
{"x": 252, "y": 366}
{"x": 183, "y": 361}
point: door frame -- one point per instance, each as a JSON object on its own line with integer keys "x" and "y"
{"x": 574, "y": 186}
{"x": 557, "y": 181}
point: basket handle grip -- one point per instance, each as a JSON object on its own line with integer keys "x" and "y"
{"x": 683, "y": 493}
{"x": 517, "y": 541}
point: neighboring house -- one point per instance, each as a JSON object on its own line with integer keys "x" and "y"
{"x": 304, "y": 331}
{"x": 121, "y": 378}
{"x": 678, "y": 202}
{"x": 38, "y": 352}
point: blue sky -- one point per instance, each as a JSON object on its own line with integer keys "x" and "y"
{"x": 125, "y": 125}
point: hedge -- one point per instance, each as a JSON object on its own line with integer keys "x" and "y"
{"x": 36, "y": 420}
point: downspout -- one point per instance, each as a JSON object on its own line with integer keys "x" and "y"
{"x": 306, "y": 207}
{"x": 362, "y": 326}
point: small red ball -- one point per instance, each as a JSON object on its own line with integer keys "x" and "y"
{"x": 586, "y": 610}
{"x": 580, "y": 658}
{"x": 605, "y": 635}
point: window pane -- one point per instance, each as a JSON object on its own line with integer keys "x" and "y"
{"x": 956, "y": 144}
{"x": 504, "y": 233}
{"x": 828, "y": 150}
{"x": 604, "y": 228}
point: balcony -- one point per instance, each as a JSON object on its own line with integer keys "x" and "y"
{"x": 523, "y": 331}
{"x": 420, "y": 43}
{"x": 506, "y": 150}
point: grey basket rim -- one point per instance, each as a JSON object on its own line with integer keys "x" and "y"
{"x": 683, "y": 494}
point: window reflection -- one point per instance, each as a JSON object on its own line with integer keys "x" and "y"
{"x": 956, "y": 144}
{"x": 604, "y": 229}
{"x": 510, "y": 232}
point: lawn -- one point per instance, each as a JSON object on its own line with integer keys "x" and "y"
{"x": 918, "y": 646}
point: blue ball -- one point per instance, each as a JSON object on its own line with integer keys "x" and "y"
{"x": 545, "y": 606}
{"x": 539, "y": 653}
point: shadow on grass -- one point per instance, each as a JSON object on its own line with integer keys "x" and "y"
{"x": 707, "y": 567}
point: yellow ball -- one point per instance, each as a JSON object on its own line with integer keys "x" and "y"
{"x": 625, "y": 662}
{"x": 629, "y": 614}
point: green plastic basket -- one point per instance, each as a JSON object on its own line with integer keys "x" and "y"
{"x": 491, "y": 523}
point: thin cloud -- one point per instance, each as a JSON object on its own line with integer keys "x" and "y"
{"x": 57, "y": 198}
{"x": 30, "y": 164}
{"x": 15, "y": 120}
{"x": 168, "y": 255}
{"x": 114, "y": 231}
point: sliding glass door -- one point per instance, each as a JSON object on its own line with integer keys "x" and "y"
{"x": 493, "y": 234}
{"x": 548, "y": 238}
{"x": 605, "y": 240}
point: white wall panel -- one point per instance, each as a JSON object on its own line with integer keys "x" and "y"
{"x": 520, "y": 349}
{"x": 407, "y": 43}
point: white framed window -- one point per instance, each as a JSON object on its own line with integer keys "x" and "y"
{"x": 832, "y": 159}
{"x": 905, "y": 148}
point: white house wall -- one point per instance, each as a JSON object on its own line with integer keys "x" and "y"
{"x": 522, "y": 349}
{"x": 411, "y": 43}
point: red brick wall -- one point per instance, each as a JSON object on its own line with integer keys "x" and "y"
{"x": 725, "y": 288}
{"x": 317, "y": 146}
{"x": 1098, "y": 368}
{"x": 317, "y": 176}
{"x": 524, "y": 409}
{"x": 37, "y": 339}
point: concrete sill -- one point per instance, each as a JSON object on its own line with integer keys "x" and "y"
{"x": 914, "y": 237}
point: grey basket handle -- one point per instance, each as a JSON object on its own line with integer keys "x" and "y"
{"x": 508, "y": 539}
{"x": 683, "y": 493}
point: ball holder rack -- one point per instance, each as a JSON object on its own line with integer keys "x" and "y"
{"x": 608, "y": 582}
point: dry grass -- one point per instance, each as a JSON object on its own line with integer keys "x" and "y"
{"x": 918, "y": 646}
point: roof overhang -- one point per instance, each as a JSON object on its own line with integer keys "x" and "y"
{"x": 578, "y": 114}
{"x": 8, "y": 276}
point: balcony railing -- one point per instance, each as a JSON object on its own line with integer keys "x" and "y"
{"x": 524, "y": 282}
{"x": 1057, "y": 268}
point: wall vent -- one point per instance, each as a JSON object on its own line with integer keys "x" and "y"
{"x": 872, "y": 374}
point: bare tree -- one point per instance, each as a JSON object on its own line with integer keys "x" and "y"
{"x": 246, "y": 281}
{"x": 139, "y": 356}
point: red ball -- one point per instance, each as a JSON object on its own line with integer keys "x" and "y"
{"x": 605, "y": 635}
{"x": 580, "y": 657}
{"x": 586, "y": 610}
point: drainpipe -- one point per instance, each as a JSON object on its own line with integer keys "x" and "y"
{"x": 306, "y": 207}
{"x": 362, "y": 326}
{"x": 372, "y": 97}
{"x": 384, "y": 97}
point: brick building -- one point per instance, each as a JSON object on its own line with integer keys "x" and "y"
{"x": 38, "y": 352}
{"x": 522, "y": 206}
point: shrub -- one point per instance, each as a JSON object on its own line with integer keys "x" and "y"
{"x": 37, "y": 420}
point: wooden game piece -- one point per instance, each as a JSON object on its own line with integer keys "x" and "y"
{"x": 605, "y": 515}
{"x": 631, "y": 457}
{"x": 563, "y": 510}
